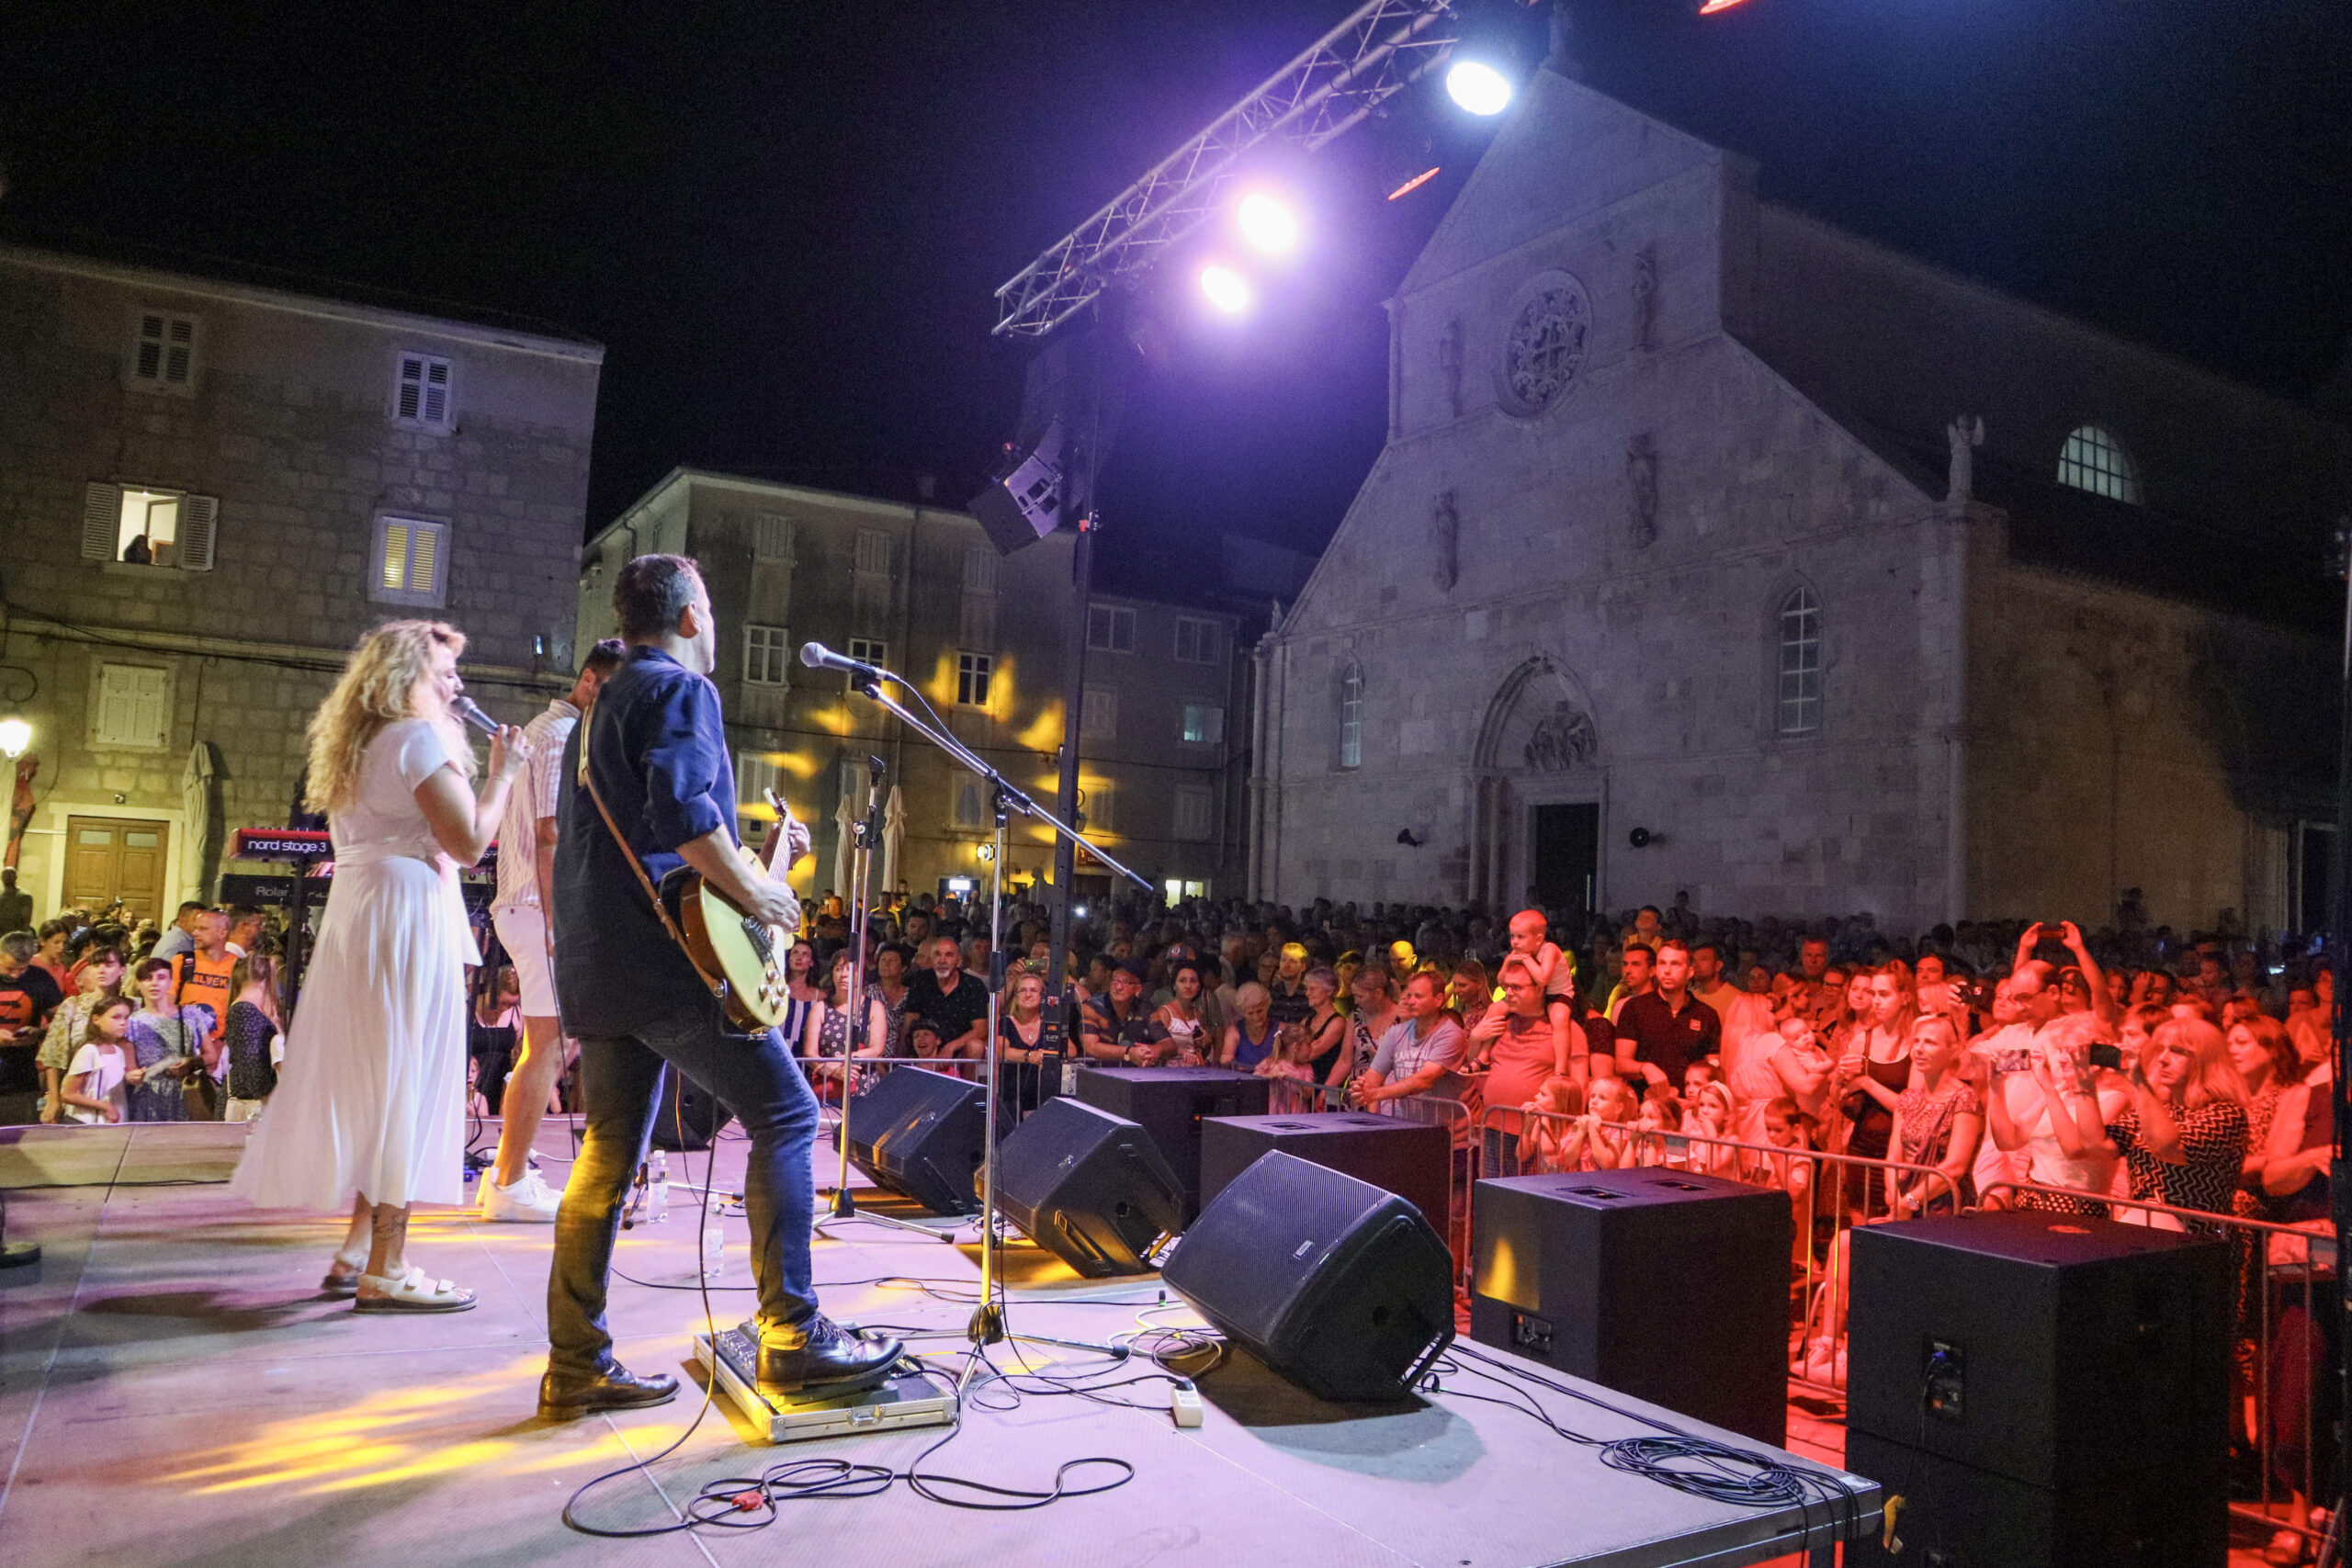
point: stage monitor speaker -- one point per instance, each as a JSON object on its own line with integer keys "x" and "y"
{"x": 1024, "y": 499}
{"x": 1089, "y": 1188}
{"x": 1169, "y": 1104}
{"x": 2044, "y": 1348}
{"x": 1412, "y": 1159}
{"x": 1956, "y": 1517}
{"x": 1670, "y": 1286}
{"x": 688, "y": 1117}
{"x": 921, "y": 1134}
{"x": 1331, "y": 1281}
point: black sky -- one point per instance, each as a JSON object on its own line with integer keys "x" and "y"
{"x": 787, "y": 223}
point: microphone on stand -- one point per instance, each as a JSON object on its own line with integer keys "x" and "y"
{"x": 465, "y": 708}
{"x": 816, "y": 656}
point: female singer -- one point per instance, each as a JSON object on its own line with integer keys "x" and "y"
{"x": 370, "y": 1103}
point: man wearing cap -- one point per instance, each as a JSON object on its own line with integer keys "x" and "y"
{"x": 1117, "y": 1028}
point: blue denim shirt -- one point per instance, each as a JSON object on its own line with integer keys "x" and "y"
{"x": 657, "y": 748}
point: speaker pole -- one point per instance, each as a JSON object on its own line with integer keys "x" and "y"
{"x": 865, "y": 833}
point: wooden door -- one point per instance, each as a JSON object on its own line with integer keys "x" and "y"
{"x": 108, "y": 858}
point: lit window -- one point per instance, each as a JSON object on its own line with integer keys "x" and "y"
{"x": 163, "y": 356}
{"x": 972, "y": 679}
{"x": 1193, "y": 808}
{"x": 1196, "y": 640}
{"x": 1800, "y": 663}
{"x": 412, "y": 561}
{"x": 1098, "y": 714}
{"x": 2096, "y": 461}
{"x": 1351, "y": 717}
{"x": 1203, "y": 724}
{"x": 767, "y": 655}
{"x": 1110, "y": 628}
{"x": 148, "y": 527}
{"x": 421, "y": 392}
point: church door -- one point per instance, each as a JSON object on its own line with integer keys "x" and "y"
{"x": 1568, "y": 855}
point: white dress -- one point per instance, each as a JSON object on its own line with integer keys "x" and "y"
{"x": 372, "y": 1097}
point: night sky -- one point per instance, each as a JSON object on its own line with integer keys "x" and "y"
{"x": 786, "y": 221}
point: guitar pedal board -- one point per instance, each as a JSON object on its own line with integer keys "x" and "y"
{"x": 910, "y": 1396}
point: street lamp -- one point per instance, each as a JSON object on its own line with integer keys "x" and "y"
{"x": 14, "y": 736}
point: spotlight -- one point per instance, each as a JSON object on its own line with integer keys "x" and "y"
{"x": 1227, "y": 289}
{"x": 14, "y": 736}
{"x": 1478, "y": 87}
{"x": 1266, "y": 223}
{"x": 1711, "y": 7}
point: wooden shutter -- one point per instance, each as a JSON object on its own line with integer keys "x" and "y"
{"x": 150, "y": 349}
{"x": 199, "y": 515}
{"x": 436, "y": 392}
{"x": 395, "y": 567}
{"x": 101, "y": 521}
{"x": 412, "y": 394}
{"x": 179, "y": 352}
{"x": 424, "y": 564}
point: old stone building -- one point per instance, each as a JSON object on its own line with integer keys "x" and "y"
{"x": 1715, "y": 549}
{"x": 210, "y": 487}
{"x": 919, "y": 589}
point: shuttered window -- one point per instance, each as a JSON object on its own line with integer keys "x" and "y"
{"x": 1194, "y": 812}
{"x": 132, "y": 708}
{"x": 412, "y": 562}
{"x": 146, "y": 527}
{"x": 421, "y": 393}
{"x": 162, "y": 353}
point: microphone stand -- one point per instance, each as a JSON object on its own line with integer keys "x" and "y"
{"x": 987, "y": 1325}
{"x": 866, "y": 834}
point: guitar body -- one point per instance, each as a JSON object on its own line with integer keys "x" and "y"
{"x": 741, "y": 958}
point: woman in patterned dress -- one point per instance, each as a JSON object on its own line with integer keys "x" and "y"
{"x": 2183, "y": 1136}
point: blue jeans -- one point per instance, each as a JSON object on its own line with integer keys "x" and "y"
{"x": 620, "y": 1089}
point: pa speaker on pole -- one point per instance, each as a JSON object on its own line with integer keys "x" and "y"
{"x": 1024, "y": 498}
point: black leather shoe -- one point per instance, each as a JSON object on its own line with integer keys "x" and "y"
{"x": 564, "y": 1396}
{"x": 820, "y": 1355}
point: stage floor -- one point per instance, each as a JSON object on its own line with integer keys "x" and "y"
{"x": 173, "y": 1392}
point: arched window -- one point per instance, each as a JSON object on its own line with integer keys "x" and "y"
{"x": 2096, "y": 461}
{"x": 1800, "y": 663}
{"x": 1351, "y": 717}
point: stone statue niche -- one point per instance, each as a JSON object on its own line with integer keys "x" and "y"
{"x": 1645, "y": 298}
{"x": 1536, "y": 721}
{"x": 1966, "y": 433}
{"x": 1445, "y": 539}
{"x": 1449, "y": 362}
{"x": 1562, "y": 741}
{"x": 1641, "y": 486}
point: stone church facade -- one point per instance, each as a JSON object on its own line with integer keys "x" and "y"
{"x": 1714, "y": 550}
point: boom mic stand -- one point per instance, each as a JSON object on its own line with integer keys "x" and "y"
{"x": 988, "y": 1326}
{"x": 866, "y": 833}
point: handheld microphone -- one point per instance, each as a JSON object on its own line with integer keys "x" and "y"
{"x": 816, "y": 656}
{"x": 465, "y": 708}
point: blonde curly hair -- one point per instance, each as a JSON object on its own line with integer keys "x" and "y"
{"x": 379, "y": 686}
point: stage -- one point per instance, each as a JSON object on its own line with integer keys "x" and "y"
{"x": 172, "y": 1391}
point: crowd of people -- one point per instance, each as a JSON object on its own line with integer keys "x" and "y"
{"x": 104, "y": 1019}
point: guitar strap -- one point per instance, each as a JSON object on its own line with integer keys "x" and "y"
{"x": 718, "y": 985}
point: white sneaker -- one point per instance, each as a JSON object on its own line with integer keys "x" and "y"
{"x": 528, "y": 1202}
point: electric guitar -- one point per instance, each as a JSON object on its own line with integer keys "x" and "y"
{"x": 740, "y": 957}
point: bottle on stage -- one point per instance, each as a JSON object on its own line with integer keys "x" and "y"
{"x": 657, "y": 1189}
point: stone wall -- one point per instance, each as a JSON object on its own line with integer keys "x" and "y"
{"x": 287, "y": 422}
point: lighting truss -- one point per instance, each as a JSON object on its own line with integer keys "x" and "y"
{"x": 1348, "y": 72}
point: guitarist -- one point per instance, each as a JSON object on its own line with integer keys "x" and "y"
{"x": 654, "y": 752}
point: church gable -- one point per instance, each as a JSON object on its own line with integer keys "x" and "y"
{"x": 1566, "y": 151}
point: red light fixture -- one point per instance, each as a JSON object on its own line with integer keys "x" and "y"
{"x": 1417, "y": 181}
{"x": 1714, "y": 6}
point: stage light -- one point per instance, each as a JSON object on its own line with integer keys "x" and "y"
{"x": 1478, "y": 87}
{"x": 1712, "y": 6}
{"x": 1227, "y": 289}
{"x": 1266, "y": 223}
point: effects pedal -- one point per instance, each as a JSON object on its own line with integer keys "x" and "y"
{"x": 910, "y": 1396}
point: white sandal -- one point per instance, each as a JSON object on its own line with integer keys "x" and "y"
{"x": 412, "y": 1292}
